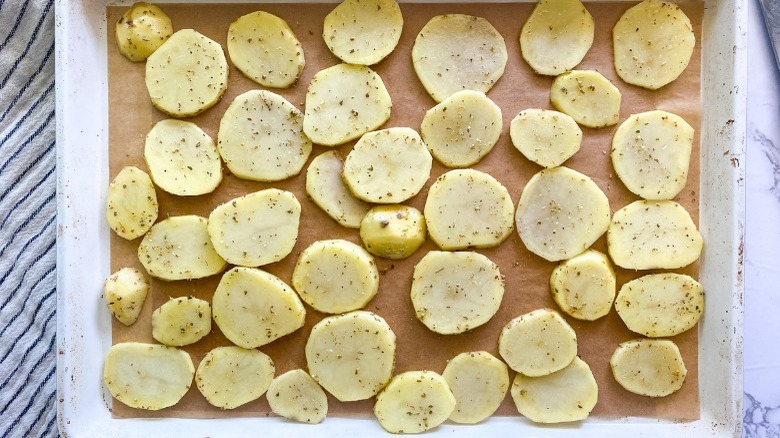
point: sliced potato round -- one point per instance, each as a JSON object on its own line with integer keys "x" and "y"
{"x": 651, "y": 367}
{"x": 651, "y": 152}
{"x": 296, "y": 396}
{"x": 454, "y": 292}
{"x": 566, "y": 395}
{"x": 147, "y": 376}
{"x": 363, "y": 31}
{"x": 182, "y": 159}
{"x": 264, "y": 48}
{"x": 546, "y": 137}
{"x": 588, "y": 97}
{"x": 456, "y": 52}
{"x": 538, "y": 343}
{"x": 261, "y": 137}
{"x": 653, "y": 235}
{"x": 468, "y": 208}
{"x": 179, "y": 248}
{"x": 344, "y": 102}
{"x": 187, "y": 74}
{"x": 462, "y": 129}
{"x": 393, "y": 231}
{"x": 351, "y": 355}
{"x": 413, "y": 402}
{"x": 253, "y": 308}
{"x": 229, "y": 377}
{"x": 327, "y": 189}
{"x": 256, "y": 229}
{"x": 181, "y": 321}
{"x": 125, "y": 292}
{"x": 561, "y": 213}
{"x": 335, "y": 276}
{"x": 584, "y": 286}
{"x": 556, "y": 36}
{"x": 659, "y": 305}
{"x": 131, "y": 204}
{"x": 388, "y": 166}
{"x": 141, "y": 30}
{"x": 479, "y": 383}
{"x": 653, "y": 43}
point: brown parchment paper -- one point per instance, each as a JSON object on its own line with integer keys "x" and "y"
{"x": 131, "y": 116}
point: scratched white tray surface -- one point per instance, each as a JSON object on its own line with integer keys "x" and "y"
{"x": 84, "y": 326}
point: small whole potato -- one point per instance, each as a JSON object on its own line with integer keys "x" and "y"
{"x": 141, "y": 30}
{"x": 393, "y": 231}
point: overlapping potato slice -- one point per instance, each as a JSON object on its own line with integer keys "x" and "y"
{"x": 413, "y": 402}
{"x": 261, "y": 137}
{"x": 125, "y": 292}
{"x": 187, "y": 74}
{"x": 179, "y": 248}
{"x": 296, "y": 396}
{"x": 584, "y": 286}
{"x": 327, "y": 189}
{"x": 363, "y": 31}
{"x": 131, "y": 203}
{"x": 479, "y": 383}
{"x": 653, "y": 43}
{"x": 344, "y": 102}
{"x": 556, "y": 36}
{"x": 538, "y": 343}
{"x": 351, "y": 355}
{"x": 588, "y": 97}
{"x": 141, "y": 30}
{"x": 651, "y": 152}
{"x": 468, "y": 208}
{"x": 456, "y": 52}
{"x": 181, "y": 321}
{"x": 651, "y": 367}
{"x": 393, "y": 231}
{"x": 388, "y": 166}
{"x": 253, "y": 308}
{"x": 653, "y": 235}
{"x": 561, "y": 213}
{"x": 454, "y": 292}
{"x": 229, "y": 377}
{"x": 546, "y": 137}
{"x": 264, "y": 48}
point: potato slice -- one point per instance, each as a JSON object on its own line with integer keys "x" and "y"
{"x": 454, "y": 292}
{"x": 181, "y": 321}
{"x": 651, "y": 367}
{"x": 653, "y": 235}
{"x": 538, "y": 343}
{"x": 182, "y": 159}
{"x": 388, "y": 166}
{"x": 588, "y": 97}
{"x": 261, "y": 137}
{"x": 413, "y": 402}
{"x": 131, "y": 204}
{"x": 584, "y": 286}
{"x": 253, "y": 308}
{"x": 462, "y": 129}
{"x": 351, "y": 355}
{"x": 468, "y": 208}
{"x": 653, "y": 43}
{"x": 546, "y": 137}
{"x": 256, "y": 229}
{"x": 479, "y": 383}
{"x": 393, "y": 231}
{"x": 125, "y": 292}
{"x": 296, "y": 396}
{"x": 566, "y": 395}
{"x": 363, "y": 31}
{"x": 556, "y": 36}
{"x": 141, "y": 30}
{"x": 179, "y": 248}
{"x": 651, "y": 152}
{"x": 264, "y": 48}
{"x": 147, "y": 376}
{"x": 335, "y": 276}
{"x": 561, "y": 213}
{"x": 344, "y": 102}
{"x": 229, "y": 377}
{"x": 456, "y": 52}
{"x": 187, "y": 74}
{"x": 659, "y": 305}
{"x": 327, "y": 189}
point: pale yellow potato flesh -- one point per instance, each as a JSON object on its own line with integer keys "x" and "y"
{"x": 363, "y": 31}
{"x": 296, "y": 396}
{"x": 584, "y": 286}
{"x": 229, "y": 377}
{"x": 479, "y": 383}
{"x": 327, "y": 189}
{"x": 588, "y": 97}
{"x": 141, "y": 30}
{"x": 650, "y": 367}
{"x": 131, "y": 203}
{"x": 393, "y": 231}
{"x": 413, "y": 402}
{"x": 181, "y": 321}
{"x": 538, "y": 343}
{"x": 546, "y": 137}
{"x": 125, "y": 292}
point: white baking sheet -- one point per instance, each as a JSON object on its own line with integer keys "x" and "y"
{"x": 83, "y": 255}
